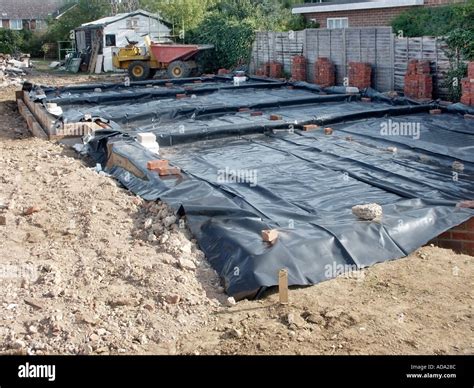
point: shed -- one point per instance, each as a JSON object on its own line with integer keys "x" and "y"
{"x": 105, "y": 36}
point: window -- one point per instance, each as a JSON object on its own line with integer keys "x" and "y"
{"x": 110, "y": 40}
{"x": 338, "y": 23}
{"x": 132, "y": 23}
{"x": 40, "y": 25}
{"x": 16, "y": 24}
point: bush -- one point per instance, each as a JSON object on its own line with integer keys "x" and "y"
{"x": 232, "y": 42}
{"x": 11, "y": 41}
{"x": 435, "y": 21}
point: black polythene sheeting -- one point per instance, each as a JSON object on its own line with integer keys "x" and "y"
{"x": 148, "y": 92}
{"x": 306, "y": 185}
{"x": 205, "y": 127}
{"x": 159, "y": 111}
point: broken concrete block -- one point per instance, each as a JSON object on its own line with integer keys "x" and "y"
{"x": 468, "y": 116}
{"x": 366, "y": 99}
{"x": 310, "y": 127}
{"x": 148, "y": 140}
{"x": 328, "y": 131}
{"x": 169, "y": 84}
{"x": 270, "y": 235}
{"x": 157, "y": 164}
{"x": 368, "y": 212}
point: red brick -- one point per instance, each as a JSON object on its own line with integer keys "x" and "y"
{"x": 435, "y": 112}
{"x": 470, "y": 70}
{"x": 165, "y": 171}
{"x": 366, "y": 99}
{"x": 275, "y": 117}
{"x": 275, "y": 69}
{"x": 328, "y": 131}
{"x": 223, "y": 71}
{"x": 310, "y": 127}
{"x": 462, "y": 236}
{"x": 324, "y": 72}
{"x": 468, "y": 247}
{"x": 470, "y": 224}
{"x": 445, "y": 236}
{"x": 156, "y": 164}
{"x": 255, "y": 114}
{"x": 450, "y": 244}
{"x": 169, "y": 84}
{"x": 244, "y": 109}
{"x": 181, "y": 96}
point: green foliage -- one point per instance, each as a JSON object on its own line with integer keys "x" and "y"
{"x": 187, "y": 13}
{"x": 456, "y": 72}
{"x": 232, "y": 41}
{"x": 84, "y": 11}
{"x": 10, "y": 41}
{"x": 435, "y": 21}
{"x": 460, "y": 49}
{"x": 461, "y": 44}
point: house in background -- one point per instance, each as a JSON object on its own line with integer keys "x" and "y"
{"x": 28, "y": 14}
{"x": 111, "y": 33}
{"x": 361, "y": 13}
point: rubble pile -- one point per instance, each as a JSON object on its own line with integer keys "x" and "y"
{"x": 12, "y": 70}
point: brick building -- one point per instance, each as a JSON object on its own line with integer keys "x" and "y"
{"x": 29, "y": 14}
{"x": 361, "y": 13}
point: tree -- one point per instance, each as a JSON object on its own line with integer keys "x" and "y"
{"x": 84, "y": 11}
{"x": 181, "y": 13}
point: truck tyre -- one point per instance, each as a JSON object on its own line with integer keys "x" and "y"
{"x": 178, "y": 69}
{"x": 139, "y": 70}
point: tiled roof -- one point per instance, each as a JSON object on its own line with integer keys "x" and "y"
{"x": 29, "y": 9}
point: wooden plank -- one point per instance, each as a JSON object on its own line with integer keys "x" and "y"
{"x": 98, "y": 65}
{"x": 33, "y": 125}
{"x": 283, "y": 286}
{"x": 42, "y": 116}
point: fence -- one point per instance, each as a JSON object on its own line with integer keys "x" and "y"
{"x": 378, "y": 46}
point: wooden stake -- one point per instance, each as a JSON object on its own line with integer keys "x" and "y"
{"x": 283, "y": 286}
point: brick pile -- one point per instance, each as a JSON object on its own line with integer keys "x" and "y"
{"x": 418, "y": 80}
{"x": 324, "y": 72}
{"x": 467, "y": 84}
{"x": 298, "y": 68}
{"x": 263, "y": 70}
{"x": 360, "y": 74}
{"x": 275, "y": 69}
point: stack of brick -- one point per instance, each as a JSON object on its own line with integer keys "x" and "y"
{"x": 467, "y": 84}
{"x": 263, "y": 70}
{"x": 298, "y": 68}
{"x": 324, "y": 72}
{"x": 418, "y": 80}
{"x": 360, "y": 75}
{"x": 275, "y": 69}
